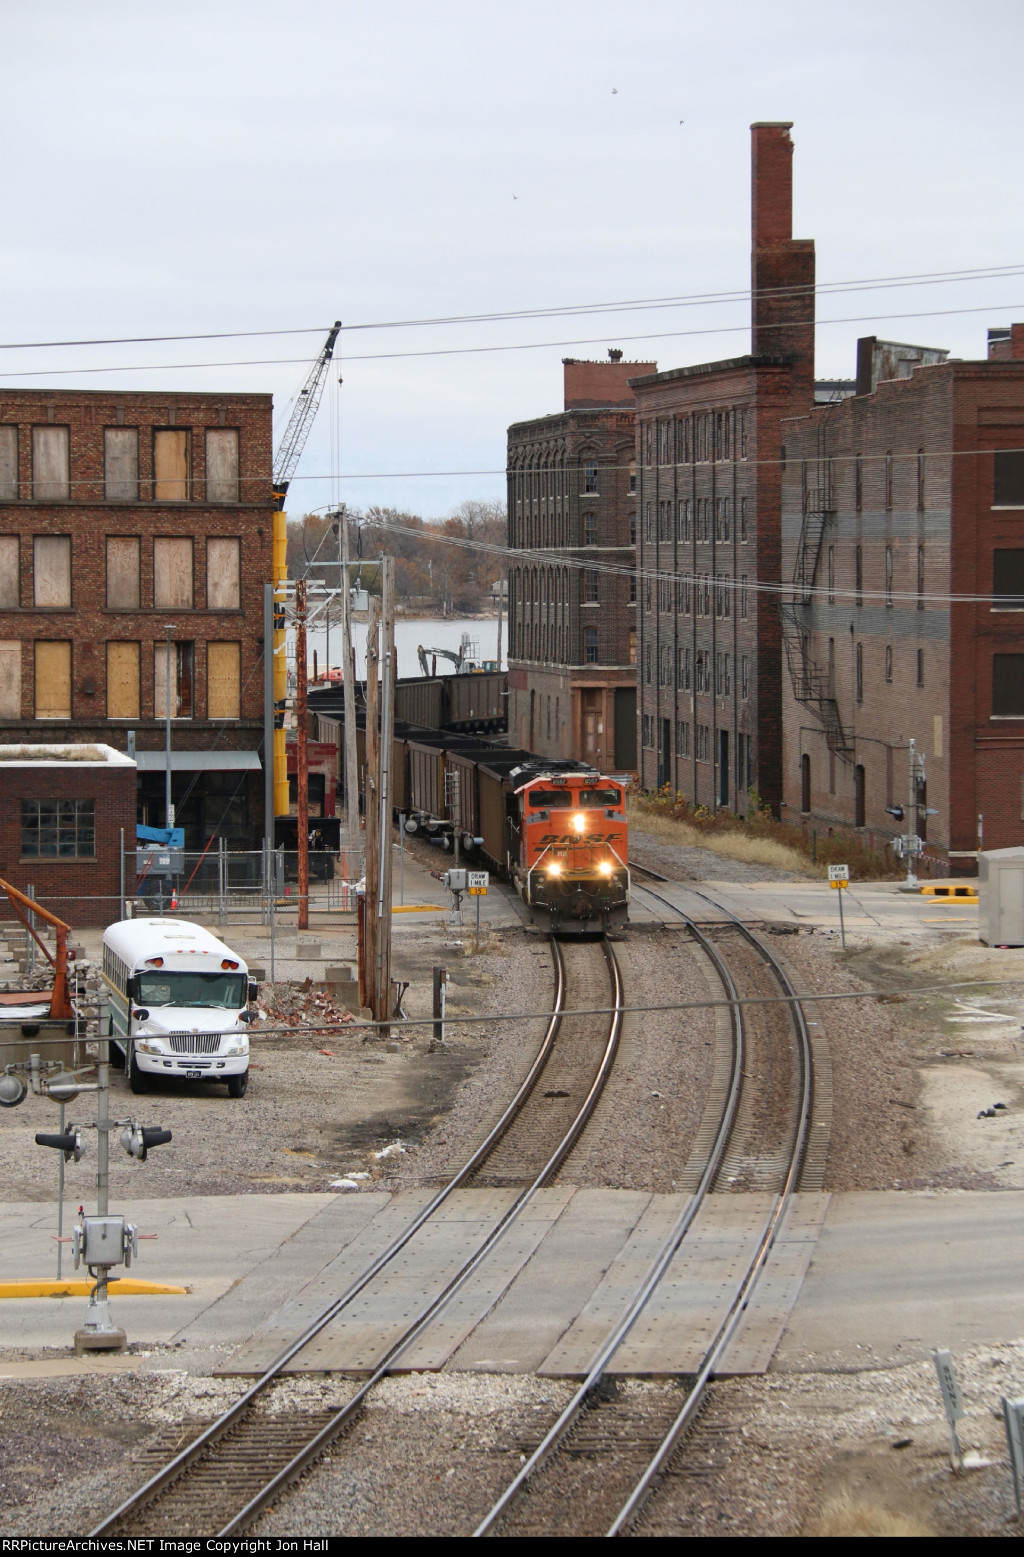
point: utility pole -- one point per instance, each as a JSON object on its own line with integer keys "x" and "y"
{"x": 169, "y": 627}
{"x": 301, "y": 755}
{"x": 371, "y": 927}
{"x": 387, "y": 735}
{"x": 350, "y": 869}
{"x": 912, "y": 839}
{"x": 268, "y": 722}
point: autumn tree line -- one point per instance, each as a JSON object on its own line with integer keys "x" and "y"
{"x": 443, "y": 567}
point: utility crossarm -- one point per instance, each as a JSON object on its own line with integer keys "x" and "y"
{"x": 289, "y": 450}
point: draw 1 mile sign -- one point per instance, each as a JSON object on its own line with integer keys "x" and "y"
{"x": 838, "y": 878}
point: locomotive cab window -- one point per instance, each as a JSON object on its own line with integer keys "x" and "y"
{"x": 600, "y": 798}
{"x": 550, "y": 799}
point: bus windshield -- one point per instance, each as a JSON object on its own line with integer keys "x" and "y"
{"x": 220, "y": 991}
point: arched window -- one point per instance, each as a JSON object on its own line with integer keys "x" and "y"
{"x": 888, "y": 575}
{"x": 888, "y": 662}
{"x": 805, "y": 783}
{"x": 888, "y": 478}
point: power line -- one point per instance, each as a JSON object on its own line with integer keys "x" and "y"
{"x": 469, "y": 351}
{"x": 566, "y": 310}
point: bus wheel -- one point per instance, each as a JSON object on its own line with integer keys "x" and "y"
{"x": 238, "y": 1084}
{"x": 137, "y": 1079}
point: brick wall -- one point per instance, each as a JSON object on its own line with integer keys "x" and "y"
{"x": 89, "y": 519}
{"x": 79, "y": 891}
{"x": 911, "y": 473}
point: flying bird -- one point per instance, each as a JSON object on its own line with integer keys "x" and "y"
{"x": 615, "y": 91}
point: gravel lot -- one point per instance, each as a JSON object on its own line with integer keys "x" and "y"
{"x": 829, "y": 1453}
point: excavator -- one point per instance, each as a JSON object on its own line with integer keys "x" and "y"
{"x": 464, "y": 658}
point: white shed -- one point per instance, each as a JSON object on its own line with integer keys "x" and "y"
{"x": 1001, "y": 897}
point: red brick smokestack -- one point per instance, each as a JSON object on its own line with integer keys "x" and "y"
{"x": 782, "y": 267}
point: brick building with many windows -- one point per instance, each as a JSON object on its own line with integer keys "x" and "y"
{"x": 708, "y": 518}
{"x": 123, "y": 514}
{"x": 908, "y": 494}
{"x": 572, "y": 579}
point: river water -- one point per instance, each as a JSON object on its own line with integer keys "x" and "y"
{"x": 432, "y": 633}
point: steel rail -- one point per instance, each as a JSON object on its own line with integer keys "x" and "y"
{"x": 730, "y": 1323}
{"x": 217, "y": 1430}
{"x": 610, "y": 1345}
{"x": 181, "y": 1462}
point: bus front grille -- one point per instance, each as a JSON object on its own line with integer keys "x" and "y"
{"x": 195, "y": 1043}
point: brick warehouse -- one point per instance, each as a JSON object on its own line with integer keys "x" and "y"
{"x": 120, "y": 513}
{"x": 572, "y": 592}
{"x": 709, "y": 506}
{"x": 62, "y": 812}
{"x": 908, "y": 493}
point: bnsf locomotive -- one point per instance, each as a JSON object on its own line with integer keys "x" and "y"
{"x": 556, "y": 829}
{"x": 567, "y": 849}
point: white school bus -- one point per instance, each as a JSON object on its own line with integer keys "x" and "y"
{"x": 179, "y": 1003}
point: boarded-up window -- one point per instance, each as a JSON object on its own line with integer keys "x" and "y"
{"x": 52, "y": 571}
{"x": 1008, "y": 579}
{"x": 222, "y": 465}
{"x": 182, "y": 664}
{"x": 172, "y": 573}
{"x": 224, "y": 680}
{"x": 53, "y": 680}
{"x": 8, "y": 464}
{"x": 50, "y": 474}
{"x": 1009, "y": 479}
{"x": 121, "y": 464}
{"x": 223, "y": 584}
{"x": 10, "y": 679}
{"x": 122, "y": 572}
{"x": 10, "y": 570}
{"x": 1008, "y": 686}
{"x": 122, "y": 681}
{"x": 170, "y": 466}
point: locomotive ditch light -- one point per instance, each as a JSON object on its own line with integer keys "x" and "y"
{"x": 579, "y": 822}
{"x": 12, "y": 1090}
{"x": 605, "y": 868}
{"x": 554, "y": 869}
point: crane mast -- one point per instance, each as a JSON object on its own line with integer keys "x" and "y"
{"x": 286, "y": 459}
{"x": 307, "y": 403}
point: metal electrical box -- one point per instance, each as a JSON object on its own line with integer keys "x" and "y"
{"x": 1001, "y": 897}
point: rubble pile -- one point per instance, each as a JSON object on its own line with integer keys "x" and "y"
{"x": 301, "y": 1006}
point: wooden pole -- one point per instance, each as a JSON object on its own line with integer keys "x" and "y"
{"x": 372, "y": 804}
{"x": 387, "y": 736}
{"x": 351, "y": 864}
{"x": 301, "y": 752}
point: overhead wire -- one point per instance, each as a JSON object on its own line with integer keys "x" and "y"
{"x": 566, "y": 310}
{"x": 497, "y": 347}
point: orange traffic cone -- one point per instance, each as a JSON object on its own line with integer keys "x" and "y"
{"x": 174, "y": 897}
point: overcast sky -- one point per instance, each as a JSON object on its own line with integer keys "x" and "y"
{"x": 248, "y": 166}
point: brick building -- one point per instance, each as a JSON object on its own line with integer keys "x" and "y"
{"x": 894, "y": 500}
{"x": 62, "y": 811}
{"x": 708, "y": 504}
{"x": 572, "y": 589}
{"x": 120, "y": 514}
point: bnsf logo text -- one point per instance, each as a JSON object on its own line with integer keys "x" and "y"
{"x": 586, "y": 840}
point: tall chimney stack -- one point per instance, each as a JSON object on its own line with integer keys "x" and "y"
{"x": 782, "y": 267}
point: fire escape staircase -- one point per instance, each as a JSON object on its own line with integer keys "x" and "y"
{"x": 812, "y": 686}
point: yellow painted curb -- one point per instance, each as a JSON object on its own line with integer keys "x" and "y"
{"x": 418, "y": 908}
{"x": 128, "y": 1286}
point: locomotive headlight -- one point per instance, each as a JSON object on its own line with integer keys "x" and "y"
{"x": 554, "y": 869}
{"x": 579, "y": 822}
{"x": 604, "y": 868}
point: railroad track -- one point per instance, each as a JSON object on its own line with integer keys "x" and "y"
{"x": 245, "y": 1460}
{"x": 599, "y": 1467}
